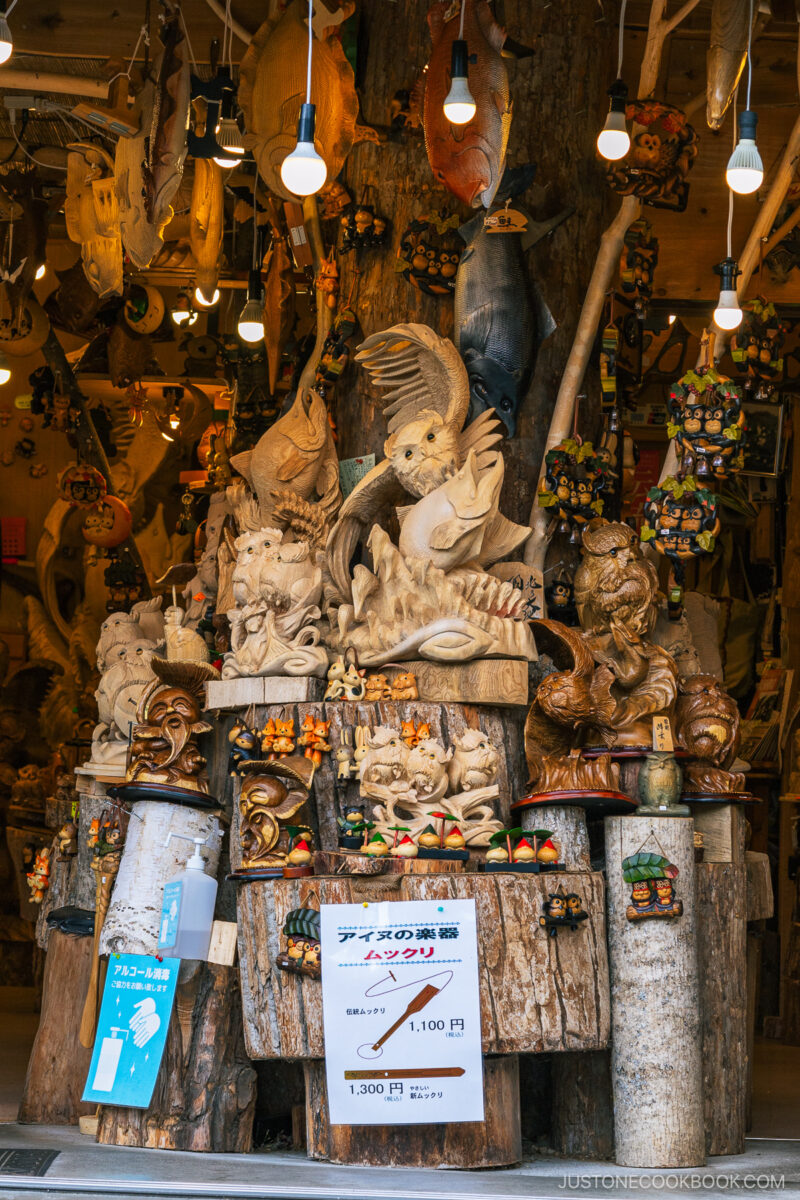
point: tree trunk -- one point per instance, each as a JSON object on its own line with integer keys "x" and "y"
{"x": 722, "y": 951}
{"x": 59, "y": 1064}
{"x": 494, "y": 1142}
{"x": 583, "y": 1116}
{"x": 132, "y": 923}
{"x": 568, "y": 827}
{"x": 205, "y": 1094}
{"x": 655, "y": 1005}
{"x": 538, "y": 993}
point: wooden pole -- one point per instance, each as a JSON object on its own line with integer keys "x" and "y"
{"x": 611, "y": 243}
{"x": 46, "y": 81}
{"x": 656, "y": 1071}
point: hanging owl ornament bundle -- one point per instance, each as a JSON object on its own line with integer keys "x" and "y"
{"x": 573, "y": 480}
{"x": 707, "y": 421}
{"x": 662, "y": 151}
{"x": 756, "y": 348}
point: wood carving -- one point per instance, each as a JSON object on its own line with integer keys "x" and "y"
{"x": 91, "y": 215}
{"x": 166, "y": 147}
{"x": 277, "y": 589}
{"x": 164, "y": 750}
{"x": 468, "y": 159}
{"x": 279, "y": 305}
{"x": 272, "y": 87}
{"x": 662, "y": 153}
{"x": 727, "y": 54}
{"x": 206, "y": 220}
{"x": 271, "y": 794}
{"x": 707, "y": 727}
{"x": 431, "y": 596}
{"x": 405, "y": 781}
{"x": 124, "y": 655}
{"x": 293, "y": 469}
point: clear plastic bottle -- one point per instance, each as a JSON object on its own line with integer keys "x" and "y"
{"x": 187, "y": 911}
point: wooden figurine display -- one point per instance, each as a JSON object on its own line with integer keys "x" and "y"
{"x": 345, "y": 681}
{"x": 707, "y": 727}
{"x": 638, "y": 264}
{"x": 681, "y": 520}
{"x": 433, "y": 591}
{"x": 302, "y": 954}
{"x": 468, "y": 159}
{"x": 272, "y": 86}
{"x": 91, "y": 216}
{"x": 562, "y": 910}
{"x": 351, "y": 826}
{"x": 651, "y": 878}
{"x": 572, "y": 485}
{"x": 756, "y": 348}
{"x": 39, "y": 876}
{"x": 660, "y": 157}
{"x": 539, "y": 854}
{"x": 660, "y": 782}
{"x": 429, "y": 253}
{"x": 707, "y": 422}
{"x": 404, "y": 776}
{"x": 271, "y": 794}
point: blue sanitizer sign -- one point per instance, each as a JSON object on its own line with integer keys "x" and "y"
{"x": 131, "y": 1030}
{"x": 170, "y": 915}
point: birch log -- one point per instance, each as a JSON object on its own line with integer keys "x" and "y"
{"x": 131, "y": 926}
{"x": 568, "y": 828}
{"x": 656, "y": 1072}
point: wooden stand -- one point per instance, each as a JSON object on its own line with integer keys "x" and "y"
{"x": 538, "y": 993}
{"x": 131, "y": 926}
{"x": 494, "y": 1142}
{"x": 568, "y": 827}
{"x": 655, "y": 1002}
{"x": 205, "y": 1094}
{"x": 59, "y": 1064}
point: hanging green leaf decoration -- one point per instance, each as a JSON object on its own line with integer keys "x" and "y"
{"x": 302, "y": 922}
{"x": 646, "y": 865}
{"x": 646, "y": 533}
{"x": 706, "y": 541}
{"x": 672, "y": 429}
{"x": 546, "y": 499}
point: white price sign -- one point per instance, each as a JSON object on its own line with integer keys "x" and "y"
{"x": 402, "y": 1012}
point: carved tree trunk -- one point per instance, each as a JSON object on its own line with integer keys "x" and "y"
{"x": 205, "y": 1094}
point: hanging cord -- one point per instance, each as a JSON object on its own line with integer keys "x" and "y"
{"x": 310, "y": 49}
{"x": 621, "y": 37}
{"x": 10, "y": 9}
{"x": 192, "y": 59}
{"x": 229, "y": 36}
{"x": 256, "y": 263}
{"x": 730, "y": 190}
{"x": 461, "y": 22}
{"x": 749, "y": 54}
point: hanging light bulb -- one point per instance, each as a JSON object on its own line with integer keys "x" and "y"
{"x": 5, "y": 371}
{"x": 199, "y": 298}
{"x": 251, "y": 318}
{"x": 182, "y": 313}
{"x": 303, "y": 171}
{"x": 745, "y": 172}
{"x": 6, "y": 41}
{"x": 41, "y": 271}
{"x": 459, "y": 105}
{"x": 727, "y": 314}
{"x": 613, "y": 141}
{"x": 228, "y": 135}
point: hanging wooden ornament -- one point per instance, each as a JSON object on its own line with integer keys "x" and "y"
{"x": 562, "y": 910}
{"x": 756, "y": 348}
{"x": 560, "y": 597}
{"x": 144, "y": 309}
{"x": 663, "y": 150}
{"x": 81, "y": 485}
{"x": 429, "y": 253}
{"x": 108, "y": 523}
{"x": 651, "y": 877}
{"x": 362, "y": 228}
{"x": 573, "y": 480}
{"x": 708, "y": 424}
{"x": 638, "y": 263}
{"x": 681, "y": 520}
{"x": 23, "y": 327}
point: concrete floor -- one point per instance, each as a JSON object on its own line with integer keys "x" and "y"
{"x": 86, "y": 1169}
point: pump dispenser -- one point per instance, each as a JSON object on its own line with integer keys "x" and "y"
{"x": 187, "y": 912}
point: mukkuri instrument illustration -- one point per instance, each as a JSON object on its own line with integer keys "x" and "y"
{"x": 416, "y": 1005}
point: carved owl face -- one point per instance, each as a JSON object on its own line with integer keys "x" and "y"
{"x": 424, "y": 453}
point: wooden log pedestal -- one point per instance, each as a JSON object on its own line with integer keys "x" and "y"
{"x": 59, "y": 1064}
{"x": 205, "y": 1093}
{"x": 656, "y": 1071}
{"x": 537, "y": 993}
{"x": 469, "y": 1145}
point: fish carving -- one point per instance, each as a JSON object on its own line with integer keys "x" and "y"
{"x": 166, "y": 149}
{"x": 468, "y": 159}
{"x": 726, "y": 56}
{"x": 91, "y": 215}
{"x": 272, "y": 87}
{"x": 206, "y": 218}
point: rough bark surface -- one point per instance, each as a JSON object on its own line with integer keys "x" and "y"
{"x": 568, "y": 827}
{"x": 59, "y": 1064}
{"x": 537, "y": 993}
{"x": 205, "y": 1094}
{"x": 583, "y": 1115}
{"x": 494, "y": 1142}
{"x": 722, "y": 950}
{"x": 656, "y": 1072}
{"x": 131, "y": 926}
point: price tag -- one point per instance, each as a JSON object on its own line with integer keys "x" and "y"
{"x": 353, "y": 470}
{"x": 23, "y": 402}
{"x": 662, "y": 734}
{"x": 506, "y": 220}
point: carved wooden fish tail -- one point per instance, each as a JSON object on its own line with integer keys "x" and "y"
{"x": 726, "y": 55}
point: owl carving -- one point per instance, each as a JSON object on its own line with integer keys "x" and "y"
{"x": 615, "y": 586}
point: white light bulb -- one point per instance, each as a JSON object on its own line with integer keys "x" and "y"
{"x": 5, "y": 375}
{"x": 6, "y": 43}
{"x": 41, "y": 270}
{"x": 671, "y": 319}
{"x": 459, "y": 105}
{"x": 251, "y": 321}
{"x": 303, "y": 171}
{"x": 727, "y": 314}
{"x": 745, "y": 172}
{"x": 613, "y": 141}
{"x": 200, "y": 298}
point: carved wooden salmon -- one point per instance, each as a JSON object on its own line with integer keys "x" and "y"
{"x": 205, "y": 223}
{"x": 468, "y": 159}
{"x": 726, "y": 56}
{"x": 272, "y": 86}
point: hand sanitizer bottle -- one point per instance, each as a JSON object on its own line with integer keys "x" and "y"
{"x": 187, "y": 912}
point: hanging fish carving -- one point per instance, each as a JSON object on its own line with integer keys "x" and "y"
{"x": 206, "y": 218}
{"x": 91, "y": 215}
{"x": 468, "y": 159}
{"x": 279, "y": 305}
{"x": 726, "y": 56}
{"x": 272, "y": 87}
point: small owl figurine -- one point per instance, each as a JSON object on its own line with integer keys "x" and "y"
{"x": 660, "y": 782}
